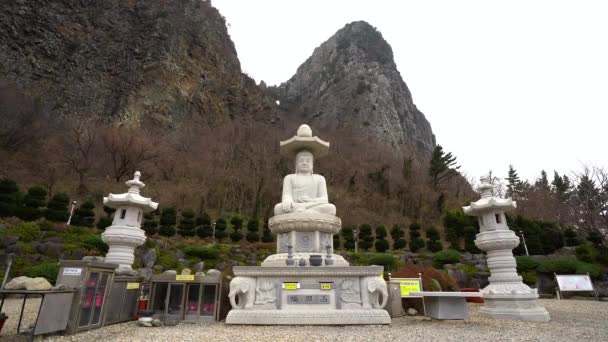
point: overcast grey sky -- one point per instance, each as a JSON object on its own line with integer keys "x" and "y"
{"x": 510, "y": 82}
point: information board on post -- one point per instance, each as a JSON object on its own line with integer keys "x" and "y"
{"x": 408, "y": 285}
{"x": 579, "y": 282}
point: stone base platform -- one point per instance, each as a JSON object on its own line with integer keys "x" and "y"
{"x": 519, "y": 307}
{"x": 308, "y": 317}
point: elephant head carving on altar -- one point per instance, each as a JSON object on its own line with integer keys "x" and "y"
{"x": 371, "y": 288}
{"x": 244, "y": 289}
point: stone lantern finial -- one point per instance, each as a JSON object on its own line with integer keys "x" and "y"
{"x": 485, "y": 188}
{"x": 135, "y": 184}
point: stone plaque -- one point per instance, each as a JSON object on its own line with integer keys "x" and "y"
{"x": 304, "y": 241}
{"x": 308, "y": 299}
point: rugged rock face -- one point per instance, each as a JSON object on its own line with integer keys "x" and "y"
{"x": 352, "y": 82}
{"x": 129, "y": 61}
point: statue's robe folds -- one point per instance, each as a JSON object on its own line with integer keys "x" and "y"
{"x": 296, "y": 187}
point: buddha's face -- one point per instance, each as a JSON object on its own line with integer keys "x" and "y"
{"x": 304, "y": 162}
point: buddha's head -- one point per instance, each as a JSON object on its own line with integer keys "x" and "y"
{"x": 304, "y": 162}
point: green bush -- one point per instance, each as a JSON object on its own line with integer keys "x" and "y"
{"x": 168, "y": 261}
{"x": 358, "y": 259}
{"x": 470, "y": 270}
{"x": 399, "y": 244}
{"x": 448, "y": 256}
{"x": 387, "y": 260}
{"x": 103, "y": 223}
{"x": 434, "y": 246}
{"x": 529, "y": 278}
{"x": 26, "y": 231}
{"x": 558, "y": 265}
{"x": 167, "y": 231}
{"x": 253, "y": 237}
{"x": 202, "y": 252}
{"x": 48, "y": 270}
{"x": 57, "y": 209}
{"x": 416, "y": 244}
{"x": 525, "y": 263}
{"x": 45, "y": 225}
{"x": 585, "y": 253}
{"x": 602, "y": 255}
{"x": 92, "y": 241}
{"x": 595, "y": 271}
{"x": 381, "y": 245}
{"x": 236, "y": 236}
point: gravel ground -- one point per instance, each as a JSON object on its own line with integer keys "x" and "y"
{"x": 571, "y": 320}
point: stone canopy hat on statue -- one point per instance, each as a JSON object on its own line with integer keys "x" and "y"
{"x": 304, "y": 141}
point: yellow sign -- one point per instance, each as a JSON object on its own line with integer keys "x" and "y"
{"x": 188, "y": 277}
{"x": 132, "y": 286}
{"x": 409, "y": 285}
{"x": 325, "y": 286}
{"x": 290, "y": 286}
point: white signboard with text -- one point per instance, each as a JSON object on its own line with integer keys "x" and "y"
{"x": 574, "y": 282}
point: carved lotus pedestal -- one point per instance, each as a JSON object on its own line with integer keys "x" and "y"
{"x": 297, "y": 293}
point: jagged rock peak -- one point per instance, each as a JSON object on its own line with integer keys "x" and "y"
{"x": 351, "y": 81}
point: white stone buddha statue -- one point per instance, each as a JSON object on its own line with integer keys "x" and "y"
{"x": 304, "y": 191}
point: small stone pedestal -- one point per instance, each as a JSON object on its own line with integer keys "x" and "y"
{"x": 506, "y": 296}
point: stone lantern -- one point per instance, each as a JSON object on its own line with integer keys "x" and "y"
{"x": 125, "y": 234}
{"x": 506, "y": 296}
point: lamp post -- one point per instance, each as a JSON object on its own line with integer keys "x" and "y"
{"x": 71, "y": 212}
{"x": 523, "y": 239}
{"x": 213, "y": 234}
{"x": 355, "y": 236}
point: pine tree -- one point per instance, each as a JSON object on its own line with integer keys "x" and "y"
{"x": 397, "y": 236}
{"x": 84, "y": 215}
{"x": 470, "y": 233}
{"x": 542, "y": 183}
{"x": 33, "y": 204}
{"x": 433, "y": 244}
{"x": 220, "y": 229}
{"x": 150, "y": 224}
{"x": 266, "y": 233}
{"x": 57, "y": 208}
{"x": 237, "y": 224}
{"x": 168, "y": 219}
{"x": 416, "y": 241}
{"x": 514, "y": 185}
{"x": 365, "y": 237}
{"x": 347, "y": 236}
{"x": 204, "y": 229}
{"x": 186, "y": 223}
{"x": 381, "y": 245}
{"x": 106, "y": 221}
{"x": 252, "y": 230}
{"x": 442, "y": 166}
{"x": 8, "y": 197}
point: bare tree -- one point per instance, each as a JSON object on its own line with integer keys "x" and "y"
{"x": 126, "y": 149}
{"x": 78, "y": 149}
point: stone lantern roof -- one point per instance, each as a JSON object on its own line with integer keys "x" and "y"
{"x": 131, "y": 197}
{"x": 487, "y": 202}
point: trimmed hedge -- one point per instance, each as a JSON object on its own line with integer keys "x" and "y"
{"x": 202, "y": 252}
{"x": 448, "y": 256}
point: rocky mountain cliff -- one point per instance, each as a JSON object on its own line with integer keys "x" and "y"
{"x": 157, "y": 63}
{"x": 351, "y": 81}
